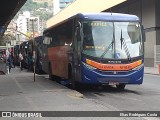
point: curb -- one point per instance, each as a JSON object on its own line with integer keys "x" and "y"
{"x": 152, "y": 74}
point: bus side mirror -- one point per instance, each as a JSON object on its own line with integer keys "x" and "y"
{"x": 143, "y": 34}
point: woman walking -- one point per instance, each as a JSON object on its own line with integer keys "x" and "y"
{"x": 10, "y": 62}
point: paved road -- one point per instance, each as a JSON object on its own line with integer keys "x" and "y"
{"x": 145, "y": 97}
{"x": 18, "y": 92}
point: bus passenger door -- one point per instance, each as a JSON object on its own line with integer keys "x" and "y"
{"x": 77, "y": 54}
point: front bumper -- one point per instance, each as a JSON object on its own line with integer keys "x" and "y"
{"x": 95, "y": 76}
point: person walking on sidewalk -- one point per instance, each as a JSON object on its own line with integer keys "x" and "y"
{"x": 13, "y": 60}
{"x": 21, "y": 60}
{"x": 10, "y": 62}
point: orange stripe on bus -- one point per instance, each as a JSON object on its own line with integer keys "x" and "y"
{"x": 115, "y": 67}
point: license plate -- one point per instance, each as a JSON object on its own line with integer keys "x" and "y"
{"x": 113, "y": 83}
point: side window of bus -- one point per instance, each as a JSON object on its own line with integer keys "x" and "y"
{"x": 54, "y": 41}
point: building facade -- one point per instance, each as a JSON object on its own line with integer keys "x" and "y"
{"x": 148, "y": 12}
{"x": 60, "y": 4}
{"x": 26, "y": 25}
{"x": 33, "y": 26}
{"x": 22, "y": 27}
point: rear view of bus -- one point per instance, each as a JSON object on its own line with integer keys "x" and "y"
{"x": 112, "y": 49}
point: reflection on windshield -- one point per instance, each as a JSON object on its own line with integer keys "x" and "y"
{"x": 97, "y": 37}
{"x": 99, "y": 34}
{"x": 125, "y": 47}
{"x": 132, "y": 37}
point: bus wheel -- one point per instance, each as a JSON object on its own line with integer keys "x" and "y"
{"x": 121, "y": 86}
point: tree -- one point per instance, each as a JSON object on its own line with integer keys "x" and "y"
{"x": 7, "y": 38}
{"x": 33, "y": 6}
{"x": 45, "y": 5}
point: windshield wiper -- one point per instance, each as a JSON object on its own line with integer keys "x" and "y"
{"x": 106, "y": 50}
{"x": 110, "y": 45}
{"x": 123, "y": 43}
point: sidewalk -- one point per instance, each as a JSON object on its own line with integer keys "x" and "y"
{"x": 18, "y": 92}
{"x": 151, "y": 70}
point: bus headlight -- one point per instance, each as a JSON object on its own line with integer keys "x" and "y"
{"x": 89, "y": 67}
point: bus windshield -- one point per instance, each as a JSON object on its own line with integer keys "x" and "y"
{"x": 112, "y": 40}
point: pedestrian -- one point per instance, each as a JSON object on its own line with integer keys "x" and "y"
{"x": 13, "y": 58}
{"x": 10, "y": 62}
{"x": 21, "y": 61}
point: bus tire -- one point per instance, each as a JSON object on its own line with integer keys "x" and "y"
{"x": 121, "y": 86}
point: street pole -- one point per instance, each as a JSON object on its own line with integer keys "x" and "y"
{"x": 34, "y": 50}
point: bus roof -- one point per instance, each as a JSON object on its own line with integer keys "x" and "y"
{"x": 108, "y": 16}
{"x": 103, "y": 16}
